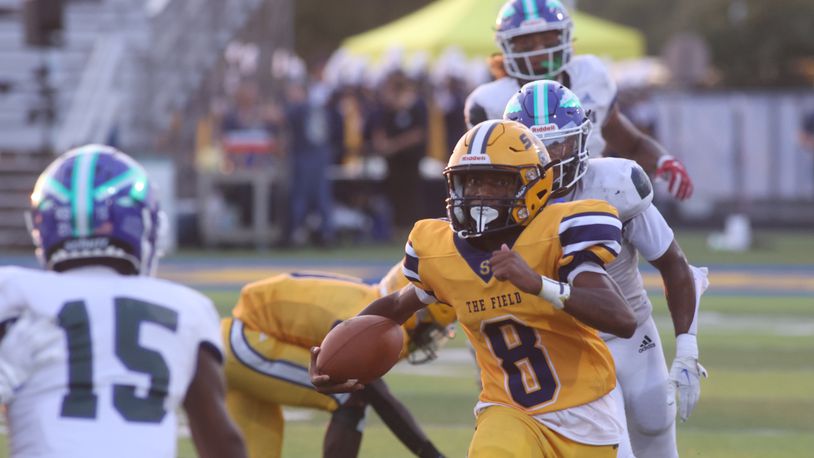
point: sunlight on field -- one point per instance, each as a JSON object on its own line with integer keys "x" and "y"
{"x": 757, "y": 348}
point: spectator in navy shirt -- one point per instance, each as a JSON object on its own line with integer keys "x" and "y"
{"x": 313, "y": 138}
{"x": 400, "y": 136}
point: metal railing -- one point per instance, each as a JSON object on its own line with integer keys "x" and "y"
{"x": 93, "y": 111}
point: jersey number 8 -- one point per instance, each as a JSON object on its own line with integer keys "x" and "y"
{"x": 531, "y": 380}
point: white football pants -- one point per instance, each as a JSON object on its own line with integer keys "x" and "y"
{"x": 642, "y": 376}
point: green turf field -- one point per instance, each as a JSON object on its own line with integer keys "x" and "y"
{"x": 758, "y": 401}
{"x": 758, "y": 349}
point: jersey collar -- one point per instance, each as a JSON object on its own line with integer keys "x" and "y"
{"x": 477, "y": 259}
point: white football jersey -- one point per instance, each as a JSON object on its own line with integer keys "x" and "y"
{"x": 131, "y": 352}
{"x": 589, "y": 80}
{"x": 624, "y": 184}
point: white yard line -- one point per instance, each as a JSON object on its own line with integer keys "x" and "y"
{"x": 784, "y": 326}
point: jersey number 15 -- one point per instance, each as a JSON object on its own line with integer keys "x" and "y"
{"x": 81, "y": 401}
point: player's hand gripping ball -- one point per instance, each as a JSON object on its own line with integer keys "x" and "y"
{"x": 362, "y": 348}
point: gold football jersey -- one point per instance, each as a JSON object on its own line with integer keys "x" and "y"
{"x": 301, "y": 307}
{"x": 393, "y": 281}
{"x": 532, "y": 356}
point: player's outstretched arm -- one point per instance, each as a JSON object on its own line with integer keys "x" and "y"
{"x": 398, "y": 306}
{"x": 593, "y": 298}
{"x": 596, "y": 301}
{"x": 213, "y": 432}
{"x": 682, "y": 300}
{"x": 399, "y": 420}
{"x": 679, "y": 287}
{"x": 631, "y": 143}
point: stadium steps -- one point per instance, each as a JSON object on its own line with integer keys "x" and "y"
{"x": 18, "y": 172}
{"x": 18, "y": 62}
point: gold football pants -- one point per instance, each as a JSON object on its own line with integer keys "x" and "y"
{"x": 262, "y": 375}
{"x": 504, "y": 432}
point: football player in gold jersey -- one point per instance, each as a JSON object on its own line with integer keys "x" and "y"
{"x": 276, "y": 321}
{"x": 526, "y": 280}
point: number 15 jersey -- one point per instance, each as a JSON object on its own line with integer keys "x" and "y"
{"x": 532, "y": 356}
{"x": 131, "y": 352}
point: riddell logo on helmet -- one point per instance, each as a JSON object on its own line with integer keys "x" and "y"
{"x": 87, "y": 244}
{"x": 475, "y": 158}
{"x": 544, "y": 129}
{"x": 535, "y": 21}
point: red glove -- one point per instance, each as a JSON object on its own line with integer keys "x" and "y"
{"x": 675, "y": 174}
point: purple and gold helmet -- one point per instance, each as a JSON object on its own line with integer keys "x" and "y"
{"x": 95, "y": 205}
{"x": 555, "y": 115}
{"x": 526, "y": 17}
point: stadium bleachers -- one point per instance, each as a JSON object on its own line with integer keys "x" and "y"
{"x": 106, "y": 78}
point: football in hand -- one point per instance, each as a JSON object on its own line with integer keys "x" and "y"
{"x": 363, "y": 348}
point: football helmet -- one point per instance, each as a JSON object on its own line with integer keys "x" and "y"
{"x": 95, "y": 205}
{"x": 525, "y": 17}
{"x": 428, "y": 330}
{"x": 497, "y": 178}
{"x": 555, "y": 115}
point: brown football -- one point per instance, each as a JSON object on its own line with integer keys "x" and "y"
{"x": 363, "y": 347}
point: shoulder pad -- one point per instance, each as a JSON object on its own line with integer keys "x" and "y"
{"x": 12, "y": 301}
{"x": 427, "y": 232}
{"x": 589, "y": 74}
{"x": 620, "y": 182}
{"x": 488, "y": 100}
{"x": 474, "y": 113}
{"x": 589, "y": 66}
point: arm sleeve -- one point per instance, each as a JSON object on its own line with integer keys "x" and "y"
{"x": 11, "y": 300}
{"x": 209, "y": 327}
{"x": 588, "y": 237}
{"x": 410, "y": 270}
{"x": 586, "y": 267}
{"x": 649, "y": 233}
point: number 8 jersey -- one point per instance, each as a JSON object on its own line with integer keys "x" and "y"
{"x": 131, "y": 352}
{"x": 532, "y": 356}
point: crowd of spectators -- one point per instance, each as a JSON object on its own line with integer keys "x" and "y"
{"x": 348, "y": 144}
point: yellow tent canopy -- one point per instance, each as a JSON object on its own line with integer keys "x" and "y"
{"x": 469, "y": 25}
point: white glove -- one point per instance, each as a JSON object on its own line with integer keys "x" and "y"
{"x": 31, "y": 342}
{"x": 685, "y": 376}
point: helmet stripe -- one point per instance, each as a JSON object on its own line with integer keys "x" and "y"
{"x": 57, "y": 189}
{"x": 115, "y": 184}
{"x": 531, "y": 9}
{"x": 481, "y": 137}
{"x": 82, "y": 196}
{"x": 545, "y": 105}
{"x": 541, "y": 104}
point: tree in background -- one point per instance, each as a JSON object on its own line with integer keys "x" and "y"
{"x": 753, "y": 42}
{"x": 321, "y": 25}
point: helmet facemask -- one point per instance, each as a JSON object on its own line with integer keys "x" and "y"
{"x": 474, "y": 214}
{"x": 568, "y": 149}
{"x": 535, "y": 62}
{"x": 427, "y": 337}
